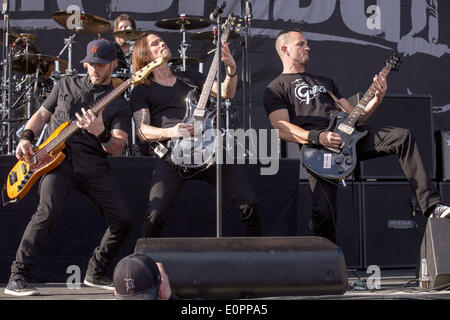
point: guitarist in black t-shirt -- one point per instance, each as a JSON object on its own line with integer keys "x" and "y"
{"x": 159, "y": 107}
{"x": 300, "y": 105}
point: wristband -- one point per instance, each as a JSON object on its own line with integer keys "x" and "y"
{"x": 230, "y": 75}
{"x": 105, "y": 136}
{"x": 313, "y": 137}
{"x": 27, "y": 134}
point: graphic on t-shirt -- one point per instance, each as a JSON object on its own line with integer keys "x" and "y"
{"x": 304, "y": 92}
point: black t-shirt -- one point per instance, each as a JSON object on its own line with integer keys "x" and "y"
{"x": 68, "y": 96}
{"x": 305, "y": 97}
{"x": 167, "y": 105}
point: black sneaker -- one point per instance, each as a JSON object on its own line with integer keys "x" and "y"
{"x": 440, "y": 211}
{"x": 102, "y": 282}
{"x": 20, "y": 288}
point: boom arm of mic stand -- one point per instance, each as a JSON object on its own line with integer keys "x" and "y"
{"x": 218, "y": 131}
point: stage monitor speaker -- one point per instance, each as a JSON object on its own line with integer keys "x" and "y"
{"x": 348, "y": 220}
{"x": 232, "y": 268}
{"x": 393, "y": 225}
{"x": 411, "y": 112}
{"x": 434, "y": 253}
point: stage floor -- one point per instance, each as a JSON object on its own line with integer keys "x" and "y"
{"x": 396, "y": 284}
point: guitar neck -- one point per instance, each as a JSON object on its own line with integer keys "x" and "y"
{"x": 99, "y": 105}
{"x": 203, "y": 100}
{"x": 359, "y": 109}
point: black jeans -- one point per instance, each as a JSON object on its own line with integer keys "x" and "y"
{"x": 379, "y": 141}
{"x": 102, "y": 190}
{"x": 166, "y": 183}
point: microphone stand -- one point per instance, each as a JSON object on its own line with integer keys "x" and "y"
{"x": 219, "y": 157}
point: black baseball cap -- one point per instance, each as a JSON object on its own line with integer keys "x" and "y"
{"x": 100, "y": 51}
{"x": 137, "y": 277}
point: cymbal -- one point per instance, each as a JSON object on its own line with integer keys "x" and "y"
{"x": 89, "y": 23}
{"x": 28, "y": 62}
{"x": 38, "y": 57}
{"x": 179, "y": 61}
{"x": 210, "y": 36}
{"x": 128, "y": 34}
{"x": 28, "y": 36}
{"x": 187, "y": 23}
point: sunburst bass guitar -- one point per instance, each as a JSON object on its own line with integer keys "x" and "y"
{"x": 49, "y": 154}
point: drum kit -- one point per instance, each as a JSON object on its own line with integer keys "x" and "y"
{"x": 28, "y": 75}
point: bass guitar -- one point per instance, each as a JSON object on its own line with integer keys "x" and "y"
{"x": 339, "y": 163}
{"x": 49, "y": 154}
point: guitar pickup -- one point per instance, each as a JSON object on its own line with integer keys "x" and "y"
{"x": 199, "y": 113}
{"x": 12, "y": 178}
{"x": 23, "y": 166}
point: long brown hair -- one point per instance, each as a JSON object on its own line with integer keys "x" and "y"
{"x": 140, "y": 57}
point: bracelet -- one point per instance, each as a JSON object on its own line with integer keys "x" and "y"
{"x": 27, "y": 134}
{"x": 105, "y": 136}
{"x": 231, "y": 75}
{"x": 313, "y": 137}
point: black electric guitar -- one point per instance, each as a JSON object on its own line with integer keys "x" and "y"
{"x": 49, "y": 154}
{"x": 339, "y": 163}
{"x": 194, "y": 154}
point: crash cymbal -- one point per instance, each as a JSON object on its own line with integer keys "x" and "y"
{"x": 210, "y": 36}
{"x": 37, "y": 57}
{"x": 179, "y": 61}
{"x": 187, "y": 23}
{"x": 28, "y": 36}
{"x": 89, "y": 23}
{"x": 128, "y": 34}
{"x": 12, "y": 36}
{"x": 27, "y": 63}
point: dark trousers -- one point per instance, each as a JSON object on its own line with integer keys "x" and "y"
{"x": 166, "y": 183}
{"x": 101, "y": 189}
{"x": 379, "y": 141}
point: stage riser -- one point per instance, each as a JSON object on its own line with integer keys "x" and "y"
{"x": 233, "y": 268}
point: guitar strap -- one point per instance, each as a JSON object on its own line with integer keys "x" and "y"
{"x": 335, "y": 99}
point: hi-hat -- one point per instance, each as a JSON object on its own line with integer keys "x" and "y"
{"x": 28, "y": 36}
{"x": 179, "y": 61}
{"x": 183, "y": 23}
{"x": 210, "y": 36}
{"x": 128, "y": 34}
{"x": 28, "y": 62}
{"x": 87, "y": 23}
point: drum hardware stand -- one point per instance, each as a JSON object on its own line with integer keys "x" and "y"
{"x": 68, "y": 45}
{"x": 246, "y": 74}
{"x": 183, "y": 45}
{"x": 6, "y": 82}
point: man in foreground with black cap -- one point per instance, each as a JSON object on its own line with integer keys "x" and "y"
{"x": 85, "y": 167}
{"x": 139, "y": 277}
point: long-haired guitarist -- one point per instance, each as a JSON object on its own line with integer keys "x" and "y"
{"x": 85, "y": 167}
{"x": 300, "y": 105}
{"x": 159, "y": 107}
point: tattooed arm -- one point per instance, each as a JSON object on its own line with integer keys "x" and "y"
{"x": 115, "y": 145}
{"x": 146, "y": 132}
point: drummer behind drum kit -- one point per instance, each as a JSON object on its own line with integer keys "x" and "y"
{"x": 37, "y": 73}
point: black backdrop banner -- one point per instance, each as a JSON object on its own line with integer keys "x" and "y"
{"x": 349, "y": 40}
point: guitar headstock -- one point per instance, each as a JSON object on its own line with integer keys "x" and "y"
{"x": 142, "y": 74}
{"x": 393, "y": 63}
{"x": 230, "y": 23}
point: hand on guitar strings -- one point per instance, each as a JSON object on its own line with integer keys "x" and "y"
{"x": 380, "y": 83}
{"x": 330, "y": 139}
{"x": 227, "y": 57}
{"x": 183, "y": 130}
{"x": 90, "y": 122}
{"x": 24, "y": 150}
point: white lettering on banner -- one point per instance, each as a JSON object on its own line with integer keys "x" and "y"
{"x": 74, "y": 20}
{"x": 316, "y": 12}
{"x": 140, "y": 6}
{"x": 374, "y": 21}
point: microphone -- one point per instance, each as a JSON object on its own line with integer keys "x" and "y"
{"x": 248, "y": 11}
{"x": 217, "y": 11}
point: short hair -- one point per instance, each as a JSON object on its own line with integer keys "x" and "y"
{"x": 122, "y": 17}
{"x": 283, "y": 39}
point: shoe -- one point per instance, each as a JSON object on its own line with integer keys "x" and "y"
{"x": 102, "y": 282}
{"x": 20, "y": 288}
{"x": 440, "y": 211}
